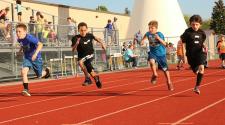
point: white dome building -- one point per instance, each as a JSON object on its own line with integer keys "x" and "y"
{"x": 166, "y": 12}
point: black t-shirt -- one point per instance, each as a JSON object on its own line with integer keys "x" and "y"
{"x": 194, "y": 41}
{"x": 85, "y": 46}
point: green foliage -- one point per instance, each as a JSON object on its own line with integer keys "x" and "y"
{"x": 102, "y": 8}
{"x": 206, "y": 24}
{"x": 218, "y": 18}
{"x": 127, "y": 11}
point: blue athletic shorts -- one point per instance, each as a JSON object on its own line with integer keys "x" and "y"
{"x": 36, "y": 65}
{"x": 161, "y": 60}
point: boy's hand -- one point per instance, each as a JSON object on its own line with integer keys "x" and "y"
{"x": 20, "y": 53}
{"x": 73, "y": 49}
{"x": 34, "y": 57}
{"x": 157, "y": 37}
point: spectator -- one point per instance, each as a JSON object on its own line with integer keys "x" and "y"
{"x": 137, "y": 38}
{"x": 221, "y": 49}
{"x": 52, "y": 34}
{"x": 71, "y": 29}
{"x": 39, "y": 25}
{"x": 180, "y": 55}
{"x": 171, "y": 50}
{"x": 32, "y": 26}
{"x": 129, "y": 56}
{"x": 19, "y": 10}
{"x": 108, "y": 34}
{"x": 45, "y": 33}
{"x": 115, "y": 33}
{"x": 3, "y": 14}
{"x": 5, "y": 27}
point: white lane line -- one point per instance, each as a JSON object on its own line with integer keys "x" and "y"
{"x": 85, "y": 102}
{"x": 75, "y": 105}
{"x": 13, "y": 106}
{"x": 142, "y": 104}
{"x": 65, "y": 89}
{"x": 183, "y": 123}
{"x": 197, "y": 112}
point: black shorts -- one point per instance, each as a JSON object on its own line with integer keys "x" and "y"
{"x": 195, "y": 60}
{"x": 20, "y": 13}
{"x": 222, "y": 56}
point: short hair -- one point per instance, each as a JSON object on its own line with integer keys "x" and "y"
{"x": 7, "y": 9}
{"x": 153, "y": 23}
{"x": 195, "y": 18}
{"x": 38, "y": 13}
{"x": 21, "y": 25}
{"x": 82, "y": 24}
{"x": 18, "y": 2}
{"x": 109, "y": 21}
{"x": 69, "y": 18}
{"x": 31, "y": 17}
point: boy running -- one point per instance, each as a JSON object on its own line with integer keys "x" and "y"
{"x": 193, "y": 42}
{"x": 157, "y": 52}
{"x": 221, "y": 49}
{"x": 84, "y": 46}
{"x": 31, "y": 47}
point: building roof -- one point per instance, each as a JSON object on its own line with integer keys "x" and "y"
{"x": 72, "y": 7}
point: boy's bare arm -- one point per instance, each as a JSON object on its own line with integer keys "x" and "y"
{"x": 101, "y": 42}
{"x": 39, "y": 47}
{"x": 143, "y": 40}
{"x": 160, "y": 40}
{"x": 184, "y": 52}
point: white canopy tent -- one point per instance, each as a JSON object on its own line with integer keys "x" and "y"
{"x": 166, "y": 12}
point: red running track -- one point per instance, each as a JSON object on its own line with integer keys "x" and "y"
{"x": 127, "y": 98}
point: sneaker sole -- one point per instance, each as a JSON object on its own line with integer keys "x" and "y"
{"x": 25, "y": 94}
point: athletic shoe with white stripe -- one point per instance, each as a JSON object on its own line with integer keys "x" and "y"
{"x": 25, "y": 92}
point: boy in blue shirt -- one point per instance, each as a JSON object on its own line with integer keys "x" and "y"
{"x": 31, "y": 47}
{"x": 157, "y": 52}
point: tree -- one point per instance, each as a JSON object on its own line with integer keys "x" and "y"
{"x": 218, "y": 18}
{"x": 206, "y": 24}
{"x": 102, "y": 8}
{"x": 186, "y": 18}
{"x": 127, "y": 11}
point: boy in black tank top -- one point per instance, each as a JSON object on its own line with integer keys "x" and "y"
{"x": 83, "y": 43}
{"x": 193, "y": 39}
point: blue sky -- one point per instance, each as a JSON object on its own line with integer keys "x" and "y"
{"x": 189, "y": 7}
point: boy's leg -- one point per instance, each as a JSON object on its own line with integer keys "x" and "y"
{"x": 169, "y": 83}
{"x": 27, "y": 64}
{"x": 153, "y": 67}
{"x": 199, "y": 78}
{"x": 87, "y": 80}
{"x": 37, "y": 66}
{"x": 24, "y": 74}
{"x": 91, "y": 71}
{"x": 46, "y": 73}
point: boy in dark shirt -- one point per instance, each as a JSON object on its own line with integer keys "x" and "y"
{"x": 193, "y": 39}
{"x": 84, "y": 46}
{"x": 31, "y": 47}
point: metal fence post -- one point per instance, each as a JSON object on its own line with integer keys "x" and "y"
{"x": 12, "y": 10}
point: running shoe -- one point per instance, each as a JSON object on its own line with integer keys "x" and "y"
{"x": 87, "y": 82}
{"x": 196, "y": 90}
{"x": 25, "y": 92}
{"x": 98, "y": 82}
